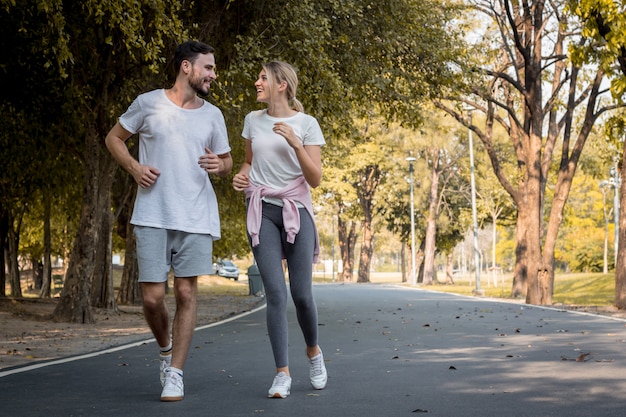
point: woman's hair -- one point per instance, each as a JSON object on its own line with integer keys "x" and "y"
{"x": 277, "y": 72}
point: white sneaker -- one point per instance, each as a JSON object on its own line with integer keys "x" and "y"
{"x": 317, "y": 371}
{"x": 281, "y": 386}
{"x": 165, "y": 362}
{"x": 173, "y": 390}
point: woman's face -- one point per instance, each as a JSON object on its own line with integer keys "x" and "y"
{"x": 262, "y": 88}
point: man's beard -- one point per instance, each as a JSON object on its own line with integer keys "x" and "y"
{"x": 197, "y": 84}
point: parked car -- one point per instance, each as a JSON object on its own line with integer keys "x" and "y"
{"x": 227, "y": 269}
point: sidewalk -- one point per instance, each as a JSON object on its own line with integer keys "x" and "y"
{"x": 390, "y": 351}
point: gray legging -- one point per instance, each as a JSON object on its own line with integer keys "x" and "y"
{"x": 299, "y": 255}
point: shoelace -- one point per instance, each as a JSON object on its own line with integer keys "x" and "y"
{"x": 316, "y": 366}
{"x": 281, "y": 381}
{"x": 175, "y": 380}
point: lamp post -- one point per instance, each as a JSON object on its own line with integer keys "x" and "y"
{"x": 615, "y": 183}
{"x": 603, "y": 185}
{"x": 412, "y": 159}
{"x": 478, "y": 291}
{"x": 332, "y": 220}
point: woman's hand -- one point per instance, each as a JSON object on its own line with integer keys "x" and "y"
{"x": 286, "y": 131}
{"x": 240, "y": 181}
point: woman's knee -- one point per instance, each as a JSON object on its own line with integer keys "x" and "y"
{"x": 303, "y": 301}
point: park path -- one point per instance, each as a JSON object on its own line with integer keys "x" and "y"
{"x": 390, "y": 351}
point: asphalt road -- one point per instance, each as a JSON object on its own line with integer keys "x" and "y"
{"x": 390, "y": 351}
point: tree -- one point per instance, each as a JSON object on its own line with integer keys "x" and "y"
{"x": 99, "y": 51}
{"x": 604, "y": 22}
{"x": 440, "y": 152}
{"x": 400, "y": 44}
{"x": 526, "y": 58}
{"x": 97, "y": 56}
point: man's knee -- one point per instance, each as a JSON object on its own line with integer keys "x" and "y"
{"x": 185, "y": 290}
{"x": 153, "y": 296}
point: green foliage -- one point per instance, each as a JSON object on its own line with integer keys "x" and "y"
{"x": 93, "y": 58}
{"x": 604, "y": 28}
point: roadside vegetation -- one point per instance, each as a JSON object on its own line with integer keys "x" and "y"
{"x": 580, "y": 289}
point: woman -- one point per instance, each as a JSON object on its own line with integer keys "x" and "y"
{"x": 283, "y": 159}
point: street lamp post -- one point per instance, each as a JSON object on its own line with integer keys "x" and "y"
{"x": 478, "y": 291}
{"x": 412, "y": 159}
{"x": 615, "y": 182}
{"x": 332, "y": 220}
{"x": 603, "y": 185}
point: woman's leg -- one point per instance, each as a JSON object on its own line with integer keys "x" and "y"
{"x": 300, "y": 263}
{"x": 268, "y": 256}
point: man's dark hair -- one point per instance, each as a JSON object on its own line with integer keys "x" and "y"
{"x": 189, "y": 51}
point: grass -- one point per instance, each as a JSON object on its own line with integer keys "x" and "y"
{"x": 588, "y": 289}
{"x": 581, "y": 289}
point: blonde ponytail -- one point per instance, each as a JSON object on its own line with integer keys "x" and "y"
{"x": 277, "y": 72}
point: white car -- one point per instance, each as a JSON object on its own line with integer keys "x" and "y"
{"x": 227, "y": 269}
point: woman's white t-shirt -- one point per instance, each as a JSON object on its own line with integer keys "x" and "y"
{"x": 274, "y": 161}
{"x": 172, "y": 139}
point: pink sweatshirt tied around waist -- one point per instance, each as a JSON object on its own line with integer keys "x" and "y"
{"x": 296, "y": 191}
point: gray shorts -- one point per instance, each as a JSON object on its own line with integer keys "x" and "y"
{"x": 159, "y": 250}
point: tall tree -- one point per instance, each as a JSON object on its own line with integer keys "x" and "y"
{"x": 102, "y": 53}
{"x": 604, "y": 21}
{"x": 526, "y": 84}
{"x": 402, "y": 44}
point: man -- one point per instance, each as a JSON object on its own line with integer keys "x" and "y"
{"x": 182, "y": 139}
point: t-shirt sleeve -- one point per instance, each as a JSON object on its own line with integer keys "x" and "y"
{"x": 133, "y": 118}
{"x": 246, "y": 127}
{"x": 313, "y": 134}
{"x": 220, "y": 143}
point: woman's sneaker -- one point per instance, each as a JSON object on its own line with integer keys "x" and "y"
{"x": 281, "y": 386}
{"x": 174, "y": 389}
{"x": 317, "y": 371}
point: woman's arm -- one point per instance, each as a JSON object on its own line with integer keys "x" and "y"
{"x": 241, "y": 179}
{"x": 309, "y": 156}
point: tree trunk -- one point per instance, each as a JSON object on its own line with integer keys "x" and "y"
{"x": 403, "y": 261}
{"x": 4, "y": 230}
{"x": 37, "y": 266}
{"x": 620, "y": 267}
{"x": 419, "y": 262}
{"x": 449, "y": 269}
{"x": 102, "y": 291}
{"x": 130, "y": 291}
{"x": 47, "y": 249}
{"x": 74, "y": 304}
{"x": 14, "y": 244}
{"x": 367, "y": 248}
{"x": 366, "y": 189}
{"x": 347, "y": 241}
{"x": 536, "y": 271}
{"x": 431, "y": 222}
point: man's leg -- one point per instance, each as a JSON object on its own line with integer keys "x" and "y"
{"x": 155, "y": 311}
{"x": 185, "y": 292}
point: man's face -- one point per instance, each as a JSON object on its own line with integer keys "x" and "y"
{"x": 202, "y": 74}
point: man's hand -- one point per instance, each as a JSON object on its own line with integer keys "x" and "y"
{"x": 211, "y": 162}
{"x": 145, "y": 175}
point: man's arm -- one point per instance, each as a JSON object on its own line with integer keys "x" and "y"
{"x": 115, "y": 142}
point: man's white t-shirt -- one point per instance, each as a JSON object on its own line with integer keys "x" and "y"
{"x": 172, "y": 139}
{"x": 274, "y": 161}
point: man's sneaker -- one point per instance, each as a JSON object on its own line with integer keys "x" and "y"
{"x": 165, "y": 363}
{"x": 173, "y": 390}
{"x": 317, "y": 371}
{"x": 281, "y": 386}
